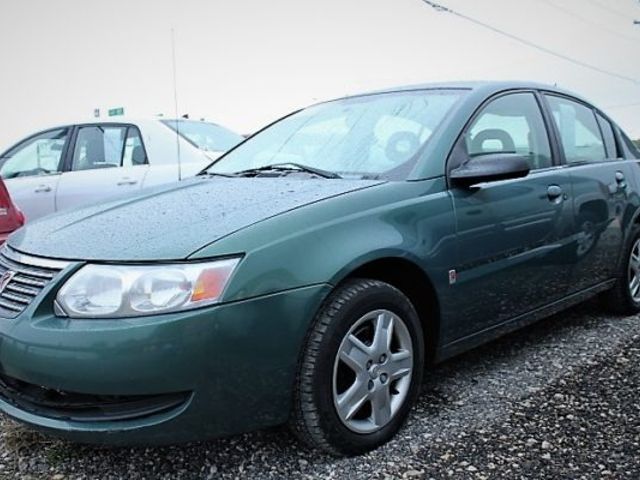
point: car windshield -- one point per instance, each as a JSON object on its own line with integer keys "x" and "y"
{"x": 204, "y": 135}
{"x": 371, "y": 136}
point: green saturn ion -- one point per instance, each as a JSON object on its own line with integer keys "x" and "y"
{"x": 310, "y": 275}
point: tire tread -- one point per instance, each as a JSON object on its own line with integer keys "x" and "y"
{"x": 618, "y": 299}
{"x": 305, "y": 418}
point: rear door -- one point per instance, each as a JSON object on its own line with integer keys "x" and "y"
{"x": 511, "y": 233}
{"x": 107, "y": 160}
{"x": 599, "y": 184}
{"x": 32, "y": 169}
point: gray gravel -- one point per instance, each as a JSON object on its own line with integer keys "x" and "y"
{"x": 556, "y": 400}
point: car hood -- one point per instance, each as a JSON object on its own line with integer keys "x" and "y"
{"x": 172, "y": 222}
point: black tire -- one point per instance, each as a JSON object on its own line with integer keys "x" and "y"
{"x": 619, "y": 299}
{"x": 315, "y": 420}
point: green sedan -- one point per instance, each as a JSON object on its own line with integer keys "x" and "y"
{"x": 311, "y": 274}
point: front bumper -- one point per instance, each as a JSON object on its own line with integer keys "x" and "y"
{"x": 234, "y": 365}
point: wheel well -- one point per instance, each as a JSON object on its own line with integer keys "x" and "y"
{"x": 411, "y": 280}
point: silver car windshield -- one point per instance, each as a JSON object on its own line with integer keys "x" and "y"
{"x": 204, "y": 135}
{"x": 371, "y": 136}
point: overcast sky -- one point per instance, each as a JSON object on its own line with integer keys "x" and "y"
{"x": 243, "y": 63}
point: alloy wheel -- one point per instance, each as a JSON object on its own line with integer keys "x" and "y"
{"x": 634, "y": 272}
{"x": 372, "y": 371}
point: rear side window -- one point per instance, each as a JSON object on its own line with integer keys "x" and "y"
{"x": 580, "y": 134}
{"x": 609, "y": 137}
{"x": 632, "y": 150}
{"x": 134, "y": 153}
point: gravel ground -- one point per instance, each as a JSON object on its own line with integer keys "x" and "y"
{"x": 556, "y": 400}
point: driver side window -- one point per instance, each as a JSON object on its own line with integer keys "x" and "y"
{"x": 38, "y": 155}
{"x": 511, "y": 124}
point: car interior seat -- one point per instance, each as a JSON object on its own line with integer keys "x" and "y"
{"x": 507, "y": 145}
{"x": 90, "y": 150}
{"x": 138, "y": 156}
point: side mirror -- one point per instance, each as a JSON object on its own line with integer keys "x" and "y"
{"x": 490, "y": 168}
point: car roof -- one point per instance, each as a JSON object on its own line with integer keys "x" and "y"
{"x": 93, "y": 121}
{"x": 127, "y": 120}
{"x": 487, "y": 87}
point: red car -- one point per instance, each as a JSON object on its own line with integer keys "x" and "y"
{"x": 11, "y": 218}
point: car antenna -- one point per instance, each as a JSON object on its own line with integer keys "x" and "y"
{"x": 175, "y": 101}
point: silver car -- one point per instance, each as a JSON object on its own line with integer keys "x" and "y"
{"x": 72, "y": 165}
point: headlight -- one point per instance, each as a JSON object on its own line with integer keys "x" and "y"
{"x": 114, "y": 291}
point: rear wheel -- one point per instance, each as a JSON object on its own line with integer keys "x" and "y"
{"x": 361, "y": 369}
{"x": 624, "y": 297}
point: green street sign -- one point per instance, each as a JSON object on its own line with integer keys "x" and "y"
{"x": 114, "y": 112}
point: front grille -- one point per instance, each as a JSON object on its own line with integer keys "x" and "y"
{"x": 22, "y": 278}
{"x": 81, "y": 407}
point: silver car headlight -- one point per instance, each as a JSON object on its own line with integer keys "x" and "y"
{"x": 116, "y": 291}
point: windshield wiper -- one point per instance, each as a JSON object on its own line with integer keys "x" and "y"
{"x": 215, "y": 174}
{"x": 288, "y": 167}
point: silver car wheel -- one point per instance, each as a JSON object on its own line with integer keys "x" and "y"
{"x": 372, "y": 371}
{"x": 634, "y": 272}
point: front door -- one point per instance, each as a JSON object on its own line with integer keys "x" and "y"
{"x": 31, "y": 171}
{"x": 511, "y": 233}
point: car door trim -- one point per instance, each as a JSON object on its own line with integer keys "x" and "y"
{"x": 512, "y": 324}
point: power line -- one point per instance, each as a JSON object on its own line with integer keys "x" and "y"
{"x": 442, "y": 8}
{"x": 623, "y": 105}
{"x": 588, "y": 21}
{"x": 608, "y": 8}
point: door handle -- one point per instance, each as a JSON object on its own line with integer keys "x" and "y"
{"x": 620, "y": 179}
{"x": 127, "y": 181}
{"x": 555, "y": 193}
{"x": 43, "y": 189}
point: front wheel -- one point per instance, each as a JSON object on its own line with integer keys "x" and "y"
{"x": 361, "y": 369}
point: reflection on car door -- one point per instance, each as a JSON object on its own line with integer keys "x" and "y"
{"x": 31, "y": 171}
{"x": 599, "y": 181}
{"x": 511, "y": 233}
{"x": 108, "y": 160}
